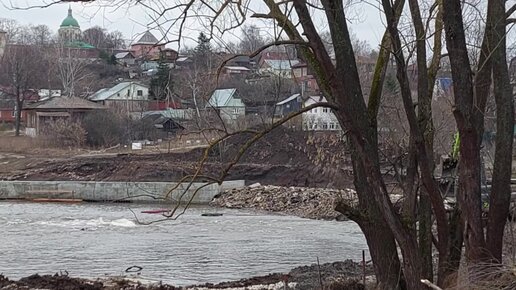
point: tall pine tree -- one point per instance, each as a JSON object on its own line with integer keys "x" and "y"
{"x": 202, "y": 52}
{"x": 161, "y": 84}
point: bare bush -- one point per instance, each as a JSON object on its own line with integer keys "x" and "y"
{"x": 66, "y": 133}
{"x": 105, "y": 129}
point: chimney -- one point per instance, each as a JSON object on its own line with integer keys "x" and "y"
{"x": 3, "y": 41}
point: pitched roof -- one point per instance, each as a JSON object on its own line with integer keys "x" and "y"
{"x": 230, "y": 67}
{"x": 225, "y": 98}
{"x": 281, "y": 64}
{"x": 147, "y": 38}
{"x": 106, "y": 93}
{"x": 124, "y": 54}
{"x": 293, "y": 97}
{"x": 65, "y": 103}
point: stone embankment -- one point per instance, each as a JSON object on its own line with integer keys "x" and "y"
{"x": 313, "y": 203}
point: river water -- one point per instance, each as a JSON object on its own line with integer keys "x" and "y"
{"x": 97, "y": 240}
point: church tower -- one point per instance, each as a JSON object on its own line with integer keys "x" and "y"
{"x": 70, "y": 31}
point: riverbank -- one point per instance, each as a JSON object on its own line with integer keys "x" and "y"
{"x": 337, "y": 275}
{"x": 312, "y": 203}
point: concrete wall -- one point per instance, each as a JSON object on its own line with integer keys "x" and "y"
{"x": 112, "y": 191}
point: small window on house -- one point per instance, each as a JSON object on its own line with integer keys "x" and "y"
{"x": 118, "y": 94}
{"x": 128, "y": 92}
{"x": 332, "y": 126}
{"x": 325, "y": 110}
{"x": 139, "y": 93}
{"x": 325, "y": 126}
{"x": 314, "y": 110}
{"x": 235, "y": 111}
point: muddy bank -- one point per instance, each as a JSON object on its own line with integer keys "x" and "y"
{"x": 282, "y": 157}
{"x": 338, "y": 275}
{"x": 313, "y": 203}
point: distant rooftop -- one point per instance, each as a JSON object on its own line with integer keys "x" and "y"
{"x": 281, "y": 64}
{"x": 147, "y": 38}
{"x": 293, "y": 97}
{"x": 65, "y": 103}
{"x": 224, "y": 98}
{"x": 104, "y": 94}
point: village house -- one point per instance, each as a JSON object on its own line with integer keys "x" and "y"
{"x": 125, "y": 58}
{"x": 184, "y": 61}
{"x": 235, "y": 70}
{"x": 227, "y": 104}
{"x": 278, "y": 67}
{"x": 289, "y": 105}
{"x": 125, "y": 96}
{"x": 162, "y": 122}
{"x": 303, "y": 76}
{"x": 8, "y": 104}
{"x": 42, "y": 113}
{"x": 168, "y": 55}
{"x": 320, "y": 118}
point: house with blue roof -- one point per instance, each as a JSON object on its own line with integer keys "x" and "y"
{"x": 228, "y": 104}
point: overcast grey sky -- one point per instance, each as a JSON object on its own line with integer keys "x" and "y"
{"x": 132, "y": 20}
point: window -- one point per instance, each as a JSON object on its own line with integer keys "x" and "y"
{"x": 235, "y": 111}
{"x": 139, "y": 93}
{"x": 325, "y": 110}
{"x": 314, "y": 110}
{"x": 128, "y": 92}
{"x": 325, "y": 126}
{"x": 332, "y": 126}
{"x": 13, "y": 113}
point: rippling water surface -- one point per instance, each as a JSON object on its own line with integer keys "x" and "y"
{"x": 94, "y": 240}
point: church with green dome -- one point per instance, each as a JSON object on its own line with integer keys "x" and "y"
{"x": 70, "y": 32}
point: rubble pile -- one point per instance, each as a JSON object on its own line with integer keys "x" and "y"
{"x": 313, "y": 203}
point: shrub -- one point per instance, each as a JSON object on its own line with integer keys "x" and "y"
{"x": 66, "y": 133}
{"x": 105, "y": 128}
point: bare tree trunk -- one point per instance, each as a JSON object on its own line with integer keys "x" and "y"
{"x": 469, "y": 117}
{"x": 427, "y": 128}
{"x": 501, "y": 185}
{"x": 380, "y": 239}
{"x": 18, "y": 113}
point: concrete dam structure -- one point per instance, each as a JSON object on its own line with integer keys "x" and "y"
{"x": 114, "y": 191}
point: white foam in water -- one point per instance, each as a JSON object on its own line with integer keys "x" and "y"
{"x": 90, "y": 223}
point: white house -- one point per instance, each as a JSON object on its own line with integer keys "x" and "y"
{"x": 228, "y": 104}
{"x": 129, "y": 96}
{"x": 320, "y": 118}
{"x": 278, "y": 67}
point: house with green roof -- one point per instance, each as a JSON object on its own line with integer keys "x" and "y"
{"x": 228, "y": 105}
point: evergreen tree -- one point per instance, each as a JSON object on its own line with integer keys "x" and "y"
{"x": 161, "y": 83}
{"x": 202, "y": 52}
